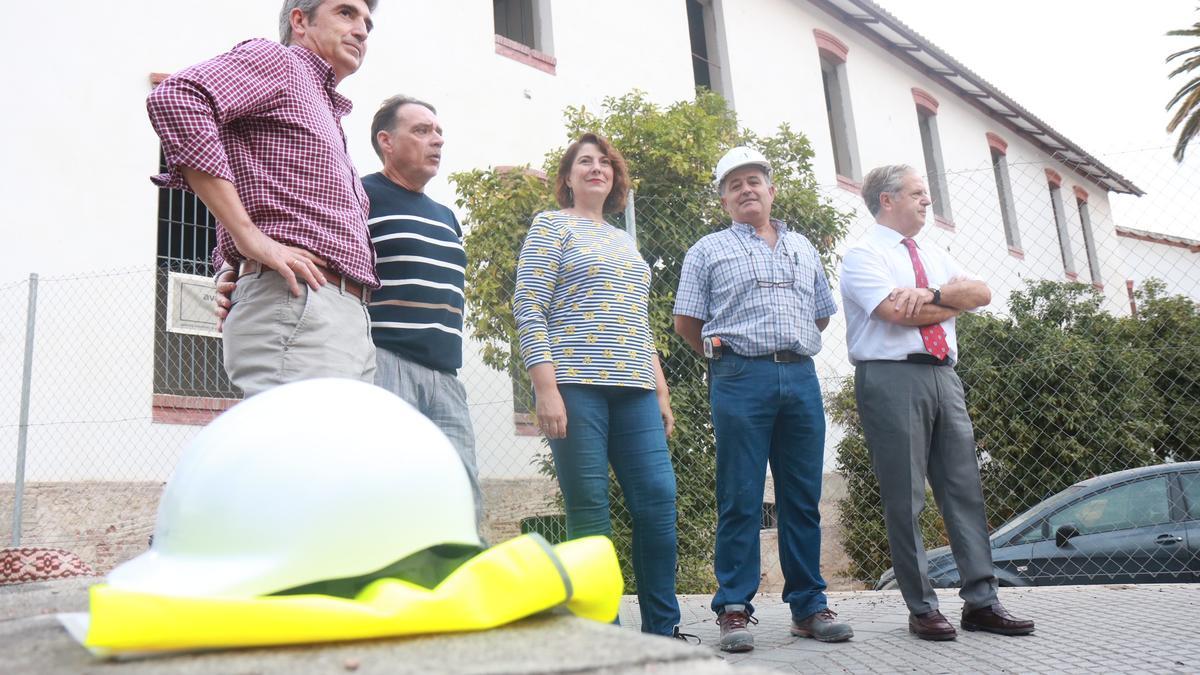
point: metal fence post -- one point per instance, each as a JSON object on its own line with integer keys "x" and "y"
{"x": 23, "y": 428}
{"x": 631, "y": 217}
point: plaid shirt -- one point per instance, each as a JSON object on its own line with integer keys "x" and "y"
{"x": 266, "y": 118}
{"x": 757, "y": 300}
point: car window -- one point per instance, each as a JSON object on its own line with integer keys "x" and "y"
{"x": 1191, "y": 494}
{"x": 1035, "y": 533}
{"x": 1139, "y": 504}
{"x": 1045, "y": 506}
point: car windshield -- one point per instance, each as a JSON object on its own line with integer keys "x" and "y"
{"x": 1045, "y": 505}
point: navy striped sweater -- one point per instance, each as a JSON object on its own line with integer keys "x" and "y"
{"x": 418, "y": 313}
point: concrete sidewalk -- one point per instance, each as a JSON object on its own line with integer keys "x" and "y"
{"x": 32, "y": 642}
{"x": 1080, "y": 629}
{"x": 1153, "y": 628}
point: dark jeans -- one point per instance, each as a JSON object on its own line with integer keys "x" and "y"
{"x": 763, "y": 412}
{"x": 622, "y": 426}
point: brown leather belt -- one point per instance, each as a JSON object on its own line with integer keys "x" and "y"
{"x": 344, "y": 283}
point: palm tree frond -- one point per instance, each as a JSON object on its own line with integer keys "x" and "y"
{"x": 1194, "y": 31}
{"x": 1177, "y": 54}
{"x": 1184, "y": 91}
{"x": 1187, "y": 134}
{"x": 1187, "y": 66}
{"x": 1186, "y": 101}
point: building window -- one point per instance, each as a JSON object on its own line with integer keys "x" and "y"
{"x": 832, "y": 53}
{"x": 706, "y": 53}
{"x": 1054, "y": 180}
{"x": 523, "y": 32}
{"x": 514, "y": 20}
{"x": 190, "y": 385}
{"x": 1089, "y": 242}
{"x": 935, "y": 167}
{"x": 1008, "y": 210}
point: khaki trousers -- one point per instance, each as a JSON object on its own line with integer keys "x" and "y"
{"x": 272, "y": 337}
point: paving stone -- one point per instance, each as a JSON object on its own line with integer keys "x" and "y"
{"x": 1081, "y": 629}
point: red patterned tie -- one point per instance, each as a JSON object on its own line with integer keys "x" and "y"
{"x": 934, "y": 336}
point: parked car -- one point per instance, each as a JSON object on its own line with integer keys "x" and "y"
{"x": 1136, "y": 526}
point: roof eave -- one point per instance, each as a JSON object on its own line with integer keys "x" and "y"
{"x": 870, "y": 20}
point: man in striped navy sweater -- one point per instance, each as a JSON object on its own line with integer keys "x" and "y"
{"x": 417, "y": 316}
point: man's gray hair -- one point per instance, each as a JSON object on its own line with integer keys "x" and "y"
{"x": 309, "y": 7}
{"x": 885, "y": 179}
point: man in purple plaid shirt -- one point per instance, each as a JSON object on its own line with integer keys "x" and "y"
{"x": 256, "y": 133}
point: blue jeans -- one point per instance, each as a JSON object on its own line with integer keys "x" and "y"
{"x": 763, "y": 412}
{"x": 622, "y": 426}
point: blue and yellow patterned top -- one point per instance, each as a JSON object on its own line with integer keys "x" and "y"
{"x": 582, "y": 301}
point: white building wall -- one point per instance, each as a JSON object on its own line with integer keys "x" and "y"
{"x": 1174, "y": 265}
{"x": 76, "y": 193}
{"x": 77, "y": 199}
{"x": 78, "y": 161}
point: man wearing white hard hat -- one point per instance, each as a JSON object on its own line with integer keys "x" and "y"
{"x": 753, "y": 299}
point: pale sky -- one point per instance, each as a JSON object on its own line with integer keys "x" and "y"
{"x": 1095, "y": 71}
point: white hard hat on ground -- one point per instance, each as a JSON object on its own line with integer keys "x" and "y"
{"x": 311, "y": 481}
{"x": 736, "y": 159}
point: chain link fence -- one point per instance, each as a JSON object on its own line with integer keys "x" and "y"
{"x": 1087, "y": 362}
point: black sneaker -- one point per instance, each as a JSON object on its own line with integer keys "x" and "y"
{"x": 686, "y": 637}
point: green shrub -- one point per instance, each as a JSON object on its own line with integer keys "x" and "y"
{"x": 1059, "y": 391}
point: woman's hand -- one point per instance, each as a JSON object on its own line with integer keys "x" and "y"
{"x": 551, "y": 413}
{"x": 664, "y": 396}
{"x": 668, "y": 417}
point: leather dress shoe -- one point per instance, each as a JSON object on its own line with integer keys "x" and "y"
{"x": 995, "y": 619}
{"x": 931, "y": 626}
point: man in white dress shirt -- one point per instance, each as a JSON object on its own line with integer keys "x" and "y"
{"x": 901, "y": 300}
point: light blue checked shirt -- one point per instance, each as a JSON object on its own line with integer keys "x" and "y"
{"x": 757, "y": 300}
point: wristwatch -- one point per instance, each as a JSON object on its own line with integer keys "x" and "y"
{"x": 937, "y": 294}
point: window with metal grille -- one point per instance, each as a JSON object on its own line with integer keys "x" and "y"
{"x": 185, "y": 365}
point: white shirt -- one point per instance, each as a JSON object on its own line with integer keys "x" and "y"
{"x": 872, "y": 269}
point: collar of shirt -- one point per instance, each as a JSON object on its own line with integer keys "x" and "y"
{"x": 323, "y": 74}
{"x": 886, "y": 237}
{"x": 781, "y": 227}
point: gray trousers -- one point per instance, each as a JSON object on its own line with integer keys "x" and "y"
{"x": 272, "y": 337}
{"x": 916, "y": 425}
{"x": 442, "y": 398}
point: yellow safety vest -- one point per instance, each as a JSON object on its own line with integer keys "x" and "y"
{"x": 504, "y": 583}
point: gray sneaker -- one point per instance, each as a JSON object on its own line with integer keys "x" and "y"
{"x": 735, "y": 634}
{"x": 822, "y": 626}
